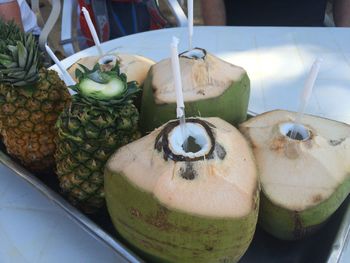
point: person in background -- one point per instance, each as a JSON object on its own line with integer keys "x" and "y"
{"x": 273, "y": 12}
{"x": 9, "y": 10}
{"x": 20, "y": 12}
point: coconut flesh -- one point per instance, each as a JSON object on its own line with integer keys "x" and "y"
{"x": 211, "y": 88}
{"x": 134, "y": 66}
{"x": 197, "y": 204}
{"x": 304, "y": 180}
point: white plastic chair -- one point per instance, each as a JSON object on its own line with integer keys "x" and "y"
{"x": 70, "y": 10}
{"x": 50, "y": 22}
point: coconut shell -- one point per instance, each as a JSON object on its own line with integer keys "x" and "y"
{"x": 211, "y": 88}
{"x": 303, "y": 181}
{"x": 167, "y": 217}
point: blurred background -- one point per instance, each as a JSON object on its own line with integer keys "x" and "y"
{"x": 55, "y": 34}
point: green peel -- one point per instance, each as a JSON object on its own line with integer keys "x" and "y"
{"x": 174, "y": 236}
{"x": 231, "y": 106}
{"x": 290, "y": 225}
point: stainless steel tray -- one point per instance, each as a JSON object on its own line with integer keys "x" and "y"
{"x": 48, "y": 186}
{"x": 327, "y": 245}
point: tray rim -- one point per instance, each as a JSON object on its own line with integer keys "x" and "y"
{"x": 73, "y": 213}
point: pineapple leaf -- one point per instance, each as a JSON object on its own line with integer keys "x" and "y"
{"x": 4, "y": 56}
{"x": 17, "y": 75}
{"x": 85, "y": 69}
{"x": 30, "y": 57}
{"x": 13, "y": 50}
{"x": 20, "y": 83}
{"x": 78, "y": 73}
{"x": 32, "y": 70}
{"x": 28, "y": 42}
{"x": 116, "y": 68}
{"x": 99, "y": 77}
{"x": 96, "y": 67}
{"x": 8, "y": 63}
{"x": 8, "y": 70}
{"x": 20, "y": 58}
{"x": 32, "y": 79}
{"x": 22, "y": 54}
{"x": 8, "y": 28}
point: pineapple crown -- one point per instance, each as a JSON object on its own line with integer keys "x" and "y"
{"x": 9, "y": 32}
{"x": 104, "y": 88}
{"x": 20, "y": 58}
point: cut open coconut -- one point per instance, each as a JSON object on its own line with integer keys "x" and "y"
{"x": 304, "y": 180}
{"x": 211, "y": 88}
{"x": 197, "y": 204}
{"x": 134, "y": 66}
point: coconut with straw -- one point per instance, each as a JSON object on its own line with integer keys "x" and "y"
{"x": 212, "y": 87}
{"x": 304, "y": 167}
{"x": 134, "y": 66}
{"x": 177, "y": 203}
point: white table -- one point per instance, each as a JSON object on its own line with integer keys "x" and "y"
{"x": 277, "y": 60}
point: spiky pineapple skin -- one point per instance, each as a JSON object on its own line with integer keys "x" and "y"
{"x": 87, "y": 137}
{"x": 27, "y": 118}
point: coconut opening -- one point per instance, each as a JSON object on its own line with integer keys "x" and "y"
{"x": 108, "y": 60}
{"x": 196, "y": 53}
{"x": 196, "y": 144}
{"x": 301, "y": 132}
{"x": 190, "y": 145}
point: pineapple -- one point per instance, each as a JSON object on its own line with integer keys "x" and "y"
{"x": 100, "y": 119}
{"x": 31, "y": 98}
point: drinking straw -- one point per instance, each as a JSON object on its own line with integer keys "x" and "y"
{"x": 180, "y": 109}
{"x": 190, "y": 21}
{"x": 180, "y": 106}
{"x": 92, "y": 30}
{"x": 306, "y": 94}
{"x": 66, "y": 77}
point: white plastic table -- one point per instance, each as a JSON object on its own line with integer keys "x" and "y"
{"x": 277, "y": 60}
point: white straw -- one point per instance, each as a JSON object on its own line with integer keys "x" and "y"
{"x": 66, "y": 77}
{"x": 310, "y": 82}
{"x": 92, "y": 30}
{"x": 190, "y": 21}
{"x": 180, "y": 109}
{"x": 306, "y": 94}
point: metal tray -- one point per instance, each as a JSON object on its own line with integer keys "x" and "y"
{"x": 327, "y": 245}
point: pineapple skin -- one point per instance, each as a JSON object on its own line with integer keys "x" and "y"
{"x": 87, "y": 137}
{"x": 27, "y": 118}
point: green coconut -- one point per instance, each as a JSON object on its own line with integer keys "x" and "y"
{"x": 304, "y": 180}
{"x": 211, "y": 88}
{"x": 193, "y": 205}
